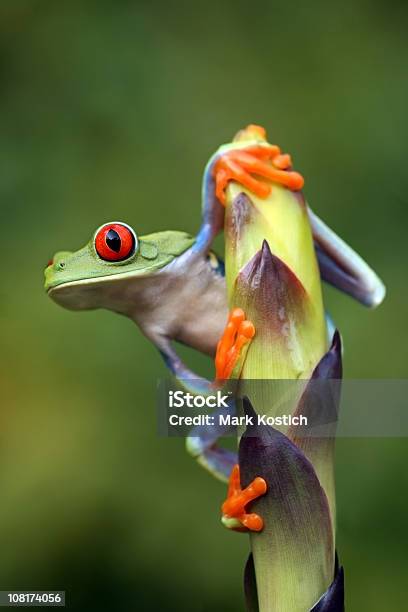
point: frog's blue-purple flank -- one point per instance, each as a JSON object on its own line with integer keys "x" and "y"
{"x": 263, "y": 320}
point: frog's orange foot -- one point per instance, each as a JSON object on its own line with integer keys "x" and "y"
{"x": 262, "y": 160}
{"x": 237, "y": 334}
{"x": 233, "y": 511}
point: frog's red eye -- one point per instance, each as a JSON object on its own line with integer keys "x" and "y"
{"x": 115, "y": 242}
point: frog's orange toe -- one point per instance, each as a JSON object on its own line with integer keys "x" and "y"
{"x": 253, "y": 522}
{"x": 238, "y": 333}
{"x": 251, "y": 132}
{"x": 263, "y": 160}
{"x": 257, "y": 130}
{"x": 237, "y": 499}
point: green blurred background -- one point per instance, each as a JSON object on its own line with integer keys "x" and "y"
{"x": 109, "y": 110}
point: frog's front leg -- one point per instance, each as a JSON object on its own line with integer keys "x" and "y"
{"x": 212, "y": 222}
{"x": 240, "y": 162}
{"x": 262, "y": 160}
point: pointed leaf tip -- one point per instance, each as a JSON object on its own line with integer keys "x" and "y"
{"x": 330, "y": 366}
{"x": 266, "y": 251}
{"x": 266, "y": 287}
{"x": 248, "y": 408}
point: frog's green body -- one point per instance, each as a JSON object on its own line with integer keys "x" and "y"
{"x": 85, "y": 266}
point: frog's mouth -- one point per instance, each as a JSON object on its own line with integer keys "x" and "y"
{"x": 59, "y": 284}
{"x": 94, "y": 292}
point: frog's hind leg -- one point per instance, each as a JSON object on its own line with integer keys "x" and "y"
{"x": 330, "y": 325}
{"x": 202, "y": 443}
{"x": 186, "y": 378}
{"x": 231, "y": 352}
{"x": 344, "y": 268}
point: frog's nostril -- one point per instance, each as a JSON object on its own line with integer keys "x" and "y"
{"x": 51, "y": 261}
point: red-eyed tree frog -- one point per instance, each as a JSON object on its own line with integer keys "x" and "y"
{"x": 172, "y": 285}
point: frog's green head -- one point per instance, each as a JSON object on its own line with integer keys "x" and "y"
{"x": 113, "y": 259}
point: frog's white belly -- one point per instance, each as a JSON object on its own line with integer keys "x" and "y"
{"x": 186, "y": 301}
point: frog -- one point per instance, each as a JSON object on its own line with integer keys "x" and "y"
{"x": 172, "y": 284}
{"x": 169, "y": 290}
